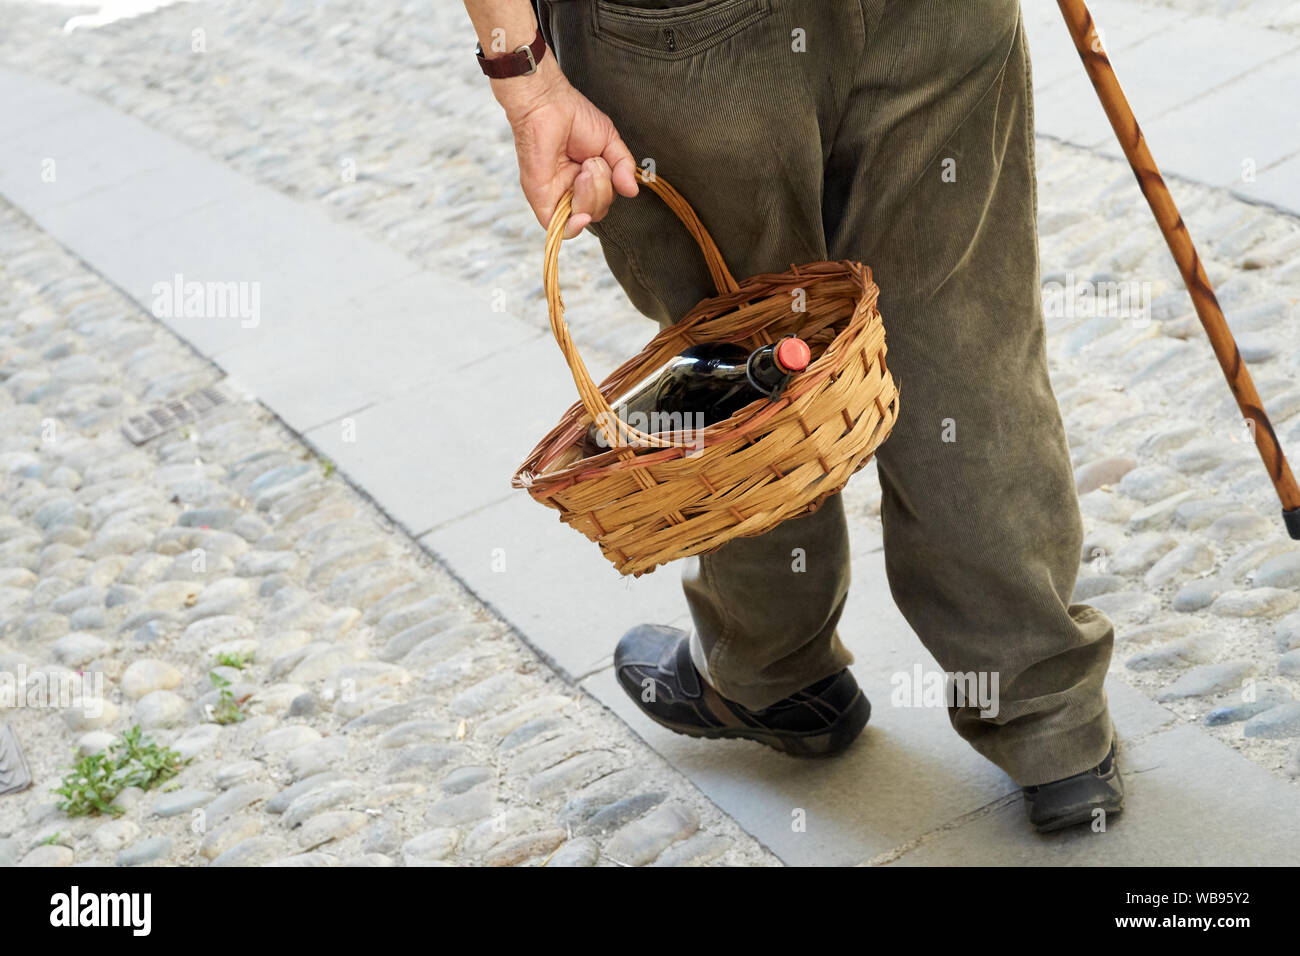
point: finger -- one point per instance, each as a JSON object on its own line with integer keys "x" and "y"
{"x": 576, "y": 224}
{"x": 592, "y": 194}
{"x": 581, "y": 189}
{"x": 585, "y": 191}
{"x": 622, "y": 166}
{"x": 601, "y": 192}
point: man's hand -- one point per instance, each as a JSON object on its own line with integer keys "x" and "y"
{"x": 561, "y": 139}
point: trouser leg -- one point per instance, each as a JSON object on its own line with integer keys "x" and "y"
{"x": 742, "y": 126}
{"x": 765, "y": 609}
{"x": 932, "y": 184}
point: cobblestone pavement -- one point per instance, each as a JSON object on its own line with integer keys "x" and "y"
{"x": 1185, "y": 548}
{"x": 392, "y": 719}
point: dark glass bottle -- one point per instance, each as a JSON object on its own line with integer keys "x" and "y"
{"x": 703, "y": 385}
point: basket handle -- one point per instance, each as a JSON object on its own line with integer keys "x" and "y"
{"x": 592, "y": 399}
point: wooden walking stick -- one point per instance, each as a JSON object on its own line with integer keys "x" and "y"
{"x": 1097, "y": 63}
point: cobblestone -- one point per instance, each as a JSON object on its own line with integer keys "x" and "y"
{"x": 1266, "y": 697}
{"x": 1197, "y": 649}
{"x": 582, "y": 851}
{"x": 643, "y": 840}
{"x": 148, "y": 850}
{"x": 1280, "y": 721}
{"x": 1208, "y": 679}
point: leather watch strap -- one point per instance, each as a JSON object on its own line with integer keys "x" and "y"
{"x": 522, "y": 62}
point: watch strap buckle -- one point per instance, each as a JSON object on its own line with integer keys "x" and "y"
{"x": 527, "y": 51}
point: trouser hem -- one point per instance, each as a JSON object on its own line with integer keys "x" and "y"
{"x": 761, "y": 696}
{"x": 1045, "y": 758}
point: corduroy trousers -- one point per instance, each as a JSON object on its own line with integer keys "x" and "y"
{"x": 898, "y": 133}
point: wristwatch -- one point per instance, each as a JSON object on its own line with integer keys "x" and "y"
{"x": 523, "y": 62}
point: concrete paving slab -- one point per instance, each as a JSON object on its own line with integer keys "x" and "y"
{"x": 1210, "y": 94}
{"x": 1124, "y": 24}
{"x": 1178, "y": 62}
{"x": 50, "y": 173}
{"x": 192, "y": 216}
{"x": 29, "y": 102}
{"x": 1248, "y": 120}
{"x": 901, "y": 779}
{"x": 1190, "y": 801}
{"x": 909, "y": 773}
{"x": 449, "y": 447}
{"x": 153, "y": 199}
{"x": 1277, "y": 185}
{"x": 92, "y": 148}
{"x": 555, "y": 587}
{"x": 391, "y": 339}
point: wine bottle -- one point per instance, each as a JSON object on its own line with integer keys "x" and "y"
{"x": 702, "y": 385}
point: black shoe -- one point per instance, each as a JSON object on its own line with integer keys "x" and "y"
{"x": 653, "y": 665}
{"x": 1075, "y": 800}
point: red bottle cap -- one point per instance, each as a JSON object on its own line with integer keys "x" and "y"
{"x": 793, "y": 354}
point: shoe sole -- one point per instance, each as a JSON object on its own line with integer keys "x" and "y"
{"x": 1083, "y": 814}
{"x": 825, "y": 743}
{"x": 1077, "y": 818}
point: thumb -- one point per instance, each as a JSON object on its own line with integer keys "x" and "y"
{"x": 621, "y": 165}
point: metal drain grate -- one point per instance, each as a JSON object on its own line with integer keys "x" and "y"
{"x": 14, "y": 775}
{"x": 168, "y": 415}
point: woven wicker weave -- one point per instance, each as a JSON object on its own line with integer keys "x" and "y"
{"x": 652, "y": 499}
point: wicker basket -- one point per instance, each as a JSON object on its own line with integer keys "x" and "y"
{"x": 651, "y": 499}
